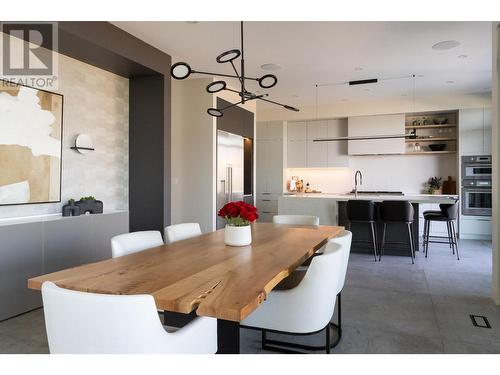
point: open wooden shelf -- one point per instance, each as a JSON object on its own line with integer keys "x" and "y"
{"x": 429, "y": 139}
{"x": 430, "y": 152}
{"x": 430, "y": 126}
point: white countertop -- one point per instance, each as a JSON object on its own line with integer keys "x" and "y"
{"x": 413, "y": 198}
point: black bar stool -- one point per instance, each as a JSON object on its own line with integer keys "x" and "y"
{"x": 448, "y": 213}
{"x": 363, "y": 211}
{"x": 398, "y": 212}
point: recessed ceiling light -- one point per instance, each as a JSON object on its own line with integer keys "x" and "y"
{"x": 462, "y": 56}
{"x": 450, "y": 81}
{"x": 446, "y": 44}
{"x": 358, "y": 68}
{"x": 271, "y": 66}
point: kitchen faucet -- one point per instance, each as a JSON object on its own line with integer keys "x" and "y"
{"x": 356, "y": 182}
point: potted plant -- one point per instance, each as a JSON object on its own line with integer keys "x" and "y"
{"x": 238, "y": 217}
{"x": 434, "y": 185}
{"x": 90, "y": 205}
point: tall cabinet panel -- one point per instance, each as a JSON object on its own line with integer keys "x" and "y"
{"x": 296, "y": 144}
{"x": 472, "y": 134}
{"x": 269, "y": 168}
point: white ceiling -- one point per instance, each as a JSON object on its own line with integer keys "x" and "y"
{"x": 313, "y": 53}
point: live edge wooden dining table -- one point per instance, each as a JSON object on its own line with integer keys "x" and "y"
{"x": 202, "y": 274}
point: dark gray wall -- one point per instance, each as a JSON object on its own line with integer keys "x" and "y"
{"x": 146, "y": 153}
{"x": 236, "y": 120}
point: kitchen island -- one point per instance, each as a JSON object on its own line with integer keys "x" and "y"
{"x": 331, "y": 210}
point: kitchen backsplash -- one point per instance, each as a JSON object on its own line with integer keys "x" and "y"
{"x": 380, "y": 173}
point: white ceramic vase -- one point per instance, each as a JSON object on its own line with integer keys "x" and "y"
{"x": 238, "y": 236}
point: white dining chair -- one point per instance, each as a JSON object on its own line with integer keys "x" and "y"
{"x": 305, "y": 309}
{"x": 179, "y": 232}
{"x": 133, "y": 242}
{"x": 89, "y": 323}
{"x": 296, "y": 220}
{"x": 344, "y": 240}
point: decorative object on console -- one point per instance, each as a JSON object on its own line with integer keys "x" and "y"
{"x": 238, "y": 215}
{"x": 83, "y": 144}
{"x": 71, "y": 209}
{"x": 30, "y": 145}
{"x": 182, "y": 70}
{"x": 90, "y": 205}
{"x": 434, "y": 185}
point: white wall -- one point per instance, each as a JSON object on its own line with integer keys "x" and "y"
{"x": 95, "y": 102}
{"x": 194, "y": 152}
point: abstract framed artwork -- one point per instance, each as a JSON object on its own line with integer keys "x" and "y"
{"x": 30, "y": 145}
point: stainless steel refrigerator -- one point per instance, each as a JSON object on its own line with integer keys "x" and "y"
{"x": 230, "y": 170}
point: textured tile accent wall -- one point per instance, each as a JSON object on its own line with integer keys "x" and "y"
{"x": 96, "y": 103}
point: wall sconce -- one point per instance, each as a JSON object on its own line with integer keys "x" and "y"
{"x": 83, "y": 144}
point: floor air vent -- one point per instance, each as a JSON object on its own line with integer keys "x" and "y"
{"x": 480, "y": 321}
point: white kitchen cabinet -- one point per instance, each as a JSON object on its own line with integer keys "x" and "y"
{"x": 324, "y": 208}
{"x": 296, "y": 154}
{"x": 267, "y": 130}
{"x": 475, "y": 131}
{"x": 297, "y": 131}
{"x": 274, "y": 163}
{"x": 487, "y": 131}
{"x": 337, "y": 151}
{"x": 317, "y": 154}
{"x": 475, "y": 227}
{"x": 378, "y": 125}
{"x": 269, "y": 166}
{"x": 260, "y": 165}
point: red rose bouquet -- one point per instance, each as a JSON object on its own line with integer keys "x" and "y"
{"x": 239, "y": 213}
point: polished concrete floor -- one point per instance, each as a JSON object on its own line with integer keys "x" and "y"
{"x": 388, "y": 307}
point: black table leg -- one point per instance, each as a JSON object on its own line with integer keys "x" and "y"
{"x": 228, "y": 337}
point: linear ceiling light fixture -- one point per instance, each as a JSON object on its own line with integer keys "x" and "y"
{"x": 363, "y": 137}
{"x": 182, "y": 70}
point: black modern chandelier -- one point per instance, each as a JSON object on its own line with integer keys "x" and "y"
{"x": 182, "y": 70}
